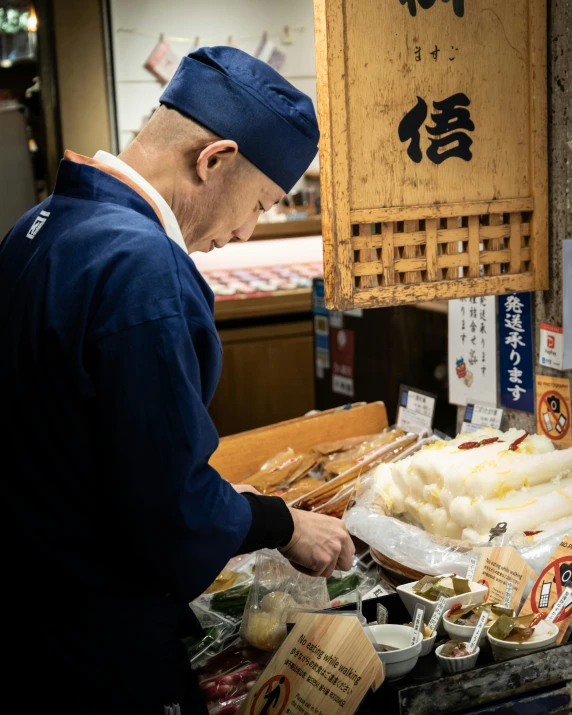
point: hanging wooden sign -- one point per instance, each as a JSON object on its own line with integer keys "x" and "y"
{"x": 325, "y": 666}
{"x": 505, "y": 573}
{"x": 433, "y": 151}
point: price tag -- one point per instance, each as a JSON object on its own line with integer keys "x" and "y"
{"x": 472, "y": 567}
{"x": 478, "y": 630}
{"x": 508, "y": 594}
{"x": 377, "y": 592}
{"x": 477, "y": 416}
{"x": 564, "y": 601}
{"x": 417, "y": 621}
{"x": 415, "y": 410}
{"x": 382, "y": 614}
{"x": 436, "y": 617}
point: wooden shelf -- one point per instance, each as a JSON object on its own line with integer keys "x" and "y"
{"x": 289, "y": 229}
{"x": 279, "y": 303}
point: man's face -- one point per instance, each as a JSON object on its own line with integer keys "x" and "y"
{"x": 233, "y": 202}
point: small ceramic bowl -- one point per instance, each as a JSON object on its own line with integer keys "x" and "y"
{"x": 457, "y": 665}
{"x": 503, "y": 650}
{"x": 427, "y": 645}
{"x": 410, "y": 600}
{"x": 396, "y": 663}
{"x": 459, "y": 632}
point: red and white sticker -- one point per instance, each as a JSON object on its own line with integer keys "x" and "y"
{"x": 551, "y": 353}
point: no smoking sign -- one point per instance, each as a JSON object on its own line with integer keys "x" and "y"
{"x": 553, "y": 409}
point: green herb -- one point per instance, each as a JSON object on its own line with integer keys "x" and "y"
{"x": 195, "y": 646}
{"x": 338, "y": 586}
{"x": 231, "y": 602}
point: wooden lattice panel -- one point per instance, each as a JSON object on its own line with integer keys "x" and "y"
{"x": 415, "y": 212}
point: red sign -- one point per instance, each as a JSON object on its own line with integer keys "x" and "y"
{"x": 542, "y": 594}
{"x": 342, "y": 358}
{"x": 272, "y": 696}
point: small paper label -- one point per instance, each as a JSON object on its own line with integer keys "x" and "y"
{"x": 472, "y": 567}
{"x": 377, "y": 592}
{"x": 416, "y": 409}
{"x": 336, "y": 319}
{"x": 564, "y": 601}
{"x": 508, "y": 594}
{"x": 436, "y": 617}
{"x": 478, "y": 630}
{"x": 382, "y": 614}
{"x": 478, "y": 415}
{"x": 551, "y": 353}
{"x": 417, "y": 621}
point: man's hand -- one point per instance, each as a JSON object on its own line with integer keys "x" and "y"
{"x": 320, "y": 544}
{"x": 241, "y": 488}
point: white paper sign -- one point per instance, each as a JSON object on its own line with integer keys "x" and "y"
{"x": 564, "y": 601}
{"x": 416, "y": 410}
{"x": 472, "y": 568}
{"x": 551, "y": 346}
{"x": 477, "y": 416}
{"x": 472, "y": 351}
{"x": 477, "y": 632}
{"x": 437, "y": 613}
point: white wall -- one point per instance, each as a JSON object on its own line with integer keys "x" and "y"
{"x": 213, "y": 21}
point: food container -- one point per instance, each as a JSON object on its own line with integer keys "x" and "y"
{"x": 427, "y": 645}
{"x": 396, "y": 663}
{"x": 458, "y": 632}
{"x": 457, "y": 665}
{"x": 503, "y": 650}
{"x": 410, "y": 600}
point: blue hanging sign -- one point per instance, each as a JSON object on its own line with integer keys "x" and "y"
{"x": 515, "y": 348}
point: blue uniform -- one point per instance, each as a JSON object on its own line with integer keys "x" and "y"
{"x": 108, "y": 360}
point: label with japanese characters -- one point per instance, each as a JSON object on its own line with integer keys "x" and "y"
{"x": 505, "y": 574}
{"x": 516, "y": 352}
{"x": 477, "y": 416}
{"x": 342, "y": 355}
{"x": 553, "y": 409}
{"x": 551, "y": 348}
{"x": 324, "y": 667}
{"x": 416, "y": 409}
{"x": 472, "y": 351}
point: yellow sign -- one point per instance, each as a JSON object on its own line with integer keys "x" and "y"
{"x": 553, "y": 409}
{"x": 325, "y": 666}
{"x": 551, "y": 586}
{"x": 505, "y": 573}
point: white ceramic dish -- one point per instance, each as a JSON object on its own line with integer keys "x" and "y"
{"x": 459, "y": 632}
{"x": 427, "y": 645}
{"x": 396, "y": 663}
{"x": 457, "y": 665}
{"x": 410, "y": 600}
{"x": 503, "y": 650}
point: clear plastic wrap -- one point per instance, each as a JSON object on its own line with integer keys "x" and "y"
{"x": 277, "y": 587}
{"x": 226, "y": 678}
{"x": 217, "y": 631}
{"x": 410, "y": 546}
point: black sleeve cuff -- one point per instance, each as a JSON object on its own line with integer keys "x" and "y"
{"x": 272, "y": 524}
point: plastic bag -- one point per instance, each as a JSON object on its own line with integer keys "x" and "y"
{"x": 411, "y": 546}
{"x": 277, "y": 587}
{"x": 226, "y": 678}
{"x": 217, "y": 631}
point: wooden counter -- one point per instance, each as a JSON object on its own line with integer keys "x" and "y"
{"x": 285, "y": 302}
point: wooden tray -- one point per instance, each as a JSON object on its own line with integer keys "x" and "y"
{"x": 241, "y": 455}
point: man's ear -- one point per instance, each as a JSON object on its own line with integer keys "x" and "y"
{"x": 216, "y": 156}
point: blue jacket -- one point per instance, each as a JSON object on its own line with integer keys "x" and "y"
{"x": 108, "y": 360}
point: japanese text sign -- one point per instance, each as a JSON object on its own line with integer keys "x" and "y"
{"x": 498, "y": 567}
{"x": 428, "y": 191}
{"x": 516, "y": 352}
{"x": 325, "y": 666}
{"x": 472, "y": 351}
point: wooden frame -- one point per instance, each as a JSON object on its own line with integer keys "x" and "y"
{"x": 395, "y": 228}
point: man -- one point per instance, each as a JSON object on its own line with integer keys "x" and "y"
{"x": 109, "y": 359}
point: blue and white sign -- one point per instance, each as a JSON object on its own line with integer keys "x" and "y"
{"x": 516, "y": 354}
